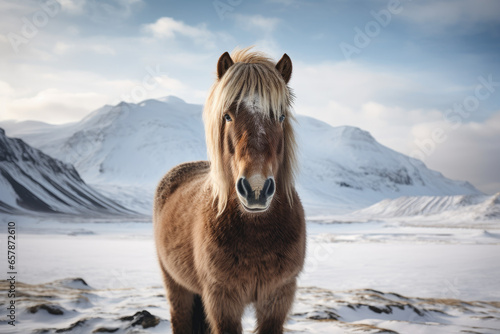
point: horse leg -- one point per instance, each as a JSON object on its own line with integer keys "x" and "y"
{"x": 272, "y": 308}
{"x": 224, "y": 310}
{"x": 181, "y": 305}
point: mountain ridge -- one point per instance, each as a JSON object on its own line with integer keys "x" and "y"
{"x": 33, "y": 182}
{"x": 342, "y": 168}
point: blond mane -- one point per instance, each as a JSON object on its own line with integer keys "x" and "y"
{"x": 252, "y": 75}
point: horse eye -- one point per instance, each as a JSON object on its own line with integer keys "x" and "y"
{"x": 227, "y": 118}
{"x": 282, "y": 118}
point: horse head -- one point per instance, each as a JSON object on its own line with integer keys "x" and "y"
{"x": 249, "y": 132}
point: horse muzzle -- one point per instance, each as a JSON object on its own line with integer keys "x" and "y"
{"x": 256, "y": 192}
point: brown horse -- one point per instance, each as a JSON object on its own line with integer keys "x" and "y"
{"x": 231, "y": 232}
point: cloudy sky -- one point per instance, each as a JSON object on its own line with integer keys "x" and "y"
{"x": 422, "y": 76}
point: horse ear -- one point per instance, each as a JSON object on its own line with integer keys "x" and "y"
{"x": 284, "y": 66}
{"x": 223, "y": 64}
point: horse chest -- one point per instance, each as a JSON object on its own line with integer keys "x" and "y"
{"x": 245, "y": 254}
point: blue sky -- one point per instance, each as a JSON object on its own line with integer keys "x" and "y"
{"x": 422, "y": 76}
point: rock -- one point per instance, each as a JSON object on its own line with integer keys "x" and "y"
{"x": 72, "y": 326}
{"x": 52, "y": 309}
{"x": 105, "y": 330}
{"x": 143, "y": 318}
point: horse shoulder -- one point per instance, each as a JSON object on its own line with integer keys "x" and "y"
{"x": 176, "y": 177}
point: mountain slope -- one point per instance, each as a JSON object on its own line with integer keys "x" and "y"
{"x": 347, "y": 165}
{"x": 133, "y": 145}
{"x": 129, "y": 144}
{"x": 467, "y": 207}
{"x": 33, "y": 182}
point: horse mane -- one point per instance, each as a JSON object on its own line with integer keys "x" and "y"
{"x": 253, "y": 75}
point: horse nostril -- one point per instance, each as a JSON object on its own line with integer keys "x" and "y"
{"x": 269, "y": 187}
{"x": 244, "y": 188}
{"x": 240, "y": 188}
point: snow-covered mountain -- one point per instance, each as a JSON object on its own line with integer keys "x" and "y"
{"x": 467, "y": 207}
{"x": 125, "y": 149}
{"x": 33, "y": 182}
{"x": 347, "y": 165}
{"x": 128, "y": 144}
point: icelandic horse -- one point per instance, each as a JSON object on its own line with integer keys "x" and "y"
{"x": 230, "y": 231}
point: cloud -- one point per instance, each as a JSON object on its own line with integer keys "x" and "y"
{"x": 349, "y": 83}
{"x": 6, "y": 92}
{"x": 348, "y": 93}
{"x": 67, "y": 96}
{"x": 469, "y": 151}
{"x": 259, "y": 22}
{"x": 75, "y": 7}
{"x": 5, "y": 89}
{"x": 263, "y": 29}
{"x": 284, "y": 2}
{"x": 53, "y": 106}
{"x": 169, "y": 28}
{"x": 62, "y": 48}
{"x": 156, "y": 84}
{"x": 461, "y": 15}
{"x": 100, "y": 10}
{"x": 390, "y": 125}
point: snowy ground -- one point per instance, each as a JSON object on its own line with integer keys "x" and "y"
{"x": 370, "y": 277}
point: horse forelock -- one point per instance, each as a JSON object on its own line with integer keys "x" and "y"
{"x": 254, "y": 83}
